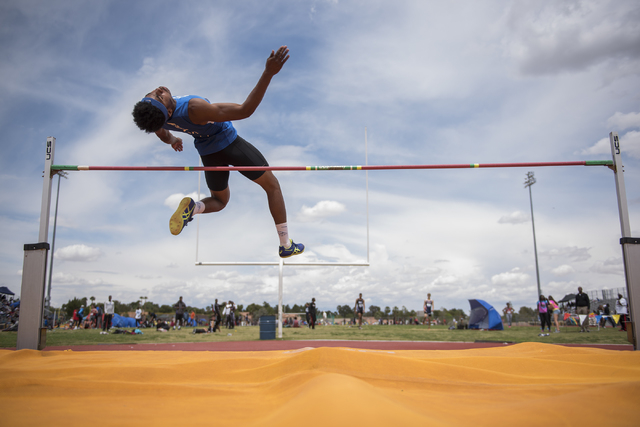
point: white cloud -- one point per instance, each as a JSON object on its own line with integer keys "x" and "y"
{"x": 78, "y": 253}
{"x": 516, "y": 217}
{"x": 613, "y": 265}
{"x": 620, "y": 121}
{"x": 571, "y": 36}
{"x": 603, "y": 146}
{"x": 563, "y": 270}
{"x": 321, "y": 210}
{"x": 573, "y": 253}
{"x": 174, "y": 200}
{"x": 629, "y": 145}
{"x": 515, "y": 277}
{"x": 337, "y": 252}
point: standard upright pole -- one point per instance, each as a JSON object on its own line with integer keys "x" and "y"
{"x": 53, "y": 241}
{"x": 31, "y": 334}
{"x": 630, "y": 245}
{"x": 280, "y": 292}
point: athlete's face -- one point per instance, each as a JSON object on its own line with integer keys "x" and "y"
{"x": 163, "y": 94}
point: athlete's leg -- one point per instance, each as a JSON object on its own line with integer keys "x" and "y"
{"x": 217, "y": 201}
{"x": 271, "y": 186}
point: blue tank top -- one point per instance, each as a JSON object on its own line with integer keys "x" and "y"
{"x": 209, "y": 138}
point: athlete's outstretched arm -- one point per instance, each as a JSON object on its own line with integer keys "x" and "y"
{"x": 201, "y": 112}
{"x": 168, "y": 138}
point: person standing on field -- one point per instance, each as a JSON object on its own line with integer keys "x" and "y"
{"x": 582, "y": 307}
{"x": 508, "y": 313}
{"x": 622, "y": 310}
{"x": 180, "y": 307}
{"x": 108, "y": 315}
{"x": 360, "y": 309}
{"x": 428, "y": 309}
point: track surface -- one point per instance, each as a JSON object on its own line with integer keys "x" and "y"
{"x": 276, "y": 345}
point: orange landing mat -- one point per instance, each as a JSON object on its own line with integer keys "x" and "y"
{"x": 520, "y": 385}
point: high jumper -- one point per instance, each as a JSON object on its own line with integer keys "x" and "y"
{"x": 218, "y": 144}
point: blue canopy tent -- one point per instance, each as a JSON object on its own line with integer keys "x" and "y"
{"x": 6, "y": 291}
{"x": 484, "y": 316}
{"x": 123, "y": 322}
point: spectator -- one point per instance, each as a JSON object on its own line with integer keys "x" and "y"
{"x": 76, "y": 319}
{"x": 108, "y": 316}
{"x": 80, "y": 315}
{"x": 555, "y": 310}
{"x": 93, "y": 316}
{"x": 582, "y": 307}
{"x": 138, "y": 316}
{"x": 462, "y": 324}
{"x": 153, "y": 319}
{"x": 163, "y": 326}
{"x": 192, "y": 316}
{"x": 312, "y": 313}
{"x": 225, "y": 313}
{"x": 607, "y": 316}
{"x": 229, "y": 314}
{"x": 359, "y": 309}
{"x": 232, "y": 315}
{"x": 99, "y": 319}
{"x": 217, "y": 316}
{"x": 428, "y": 309}
{"x": 180, "y": 307}
{"x": 543, "y": 312}
{"x": 622, "y": 310}
{"x": 508, "y": 313}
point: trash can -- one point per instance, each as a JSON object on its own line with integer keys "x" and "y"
{"x": 268, "y": 327}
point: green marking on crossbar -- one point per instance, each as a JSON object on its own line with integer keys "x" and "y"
{"x": 599, "y": 162}
{"x": 65, "y": 167}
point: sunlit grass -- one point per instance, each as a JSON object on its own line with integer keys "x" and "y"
{"x": 519, "y": 334}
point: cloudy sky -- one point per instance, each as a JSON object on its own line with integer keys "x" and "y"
{"x": 431, "y": 82}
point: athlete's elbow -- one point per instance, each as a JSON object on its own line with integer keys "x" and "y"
{"x": 245, "y": 113}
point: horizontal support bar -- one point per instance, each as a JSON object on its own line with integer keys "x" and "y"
{"x": 305, "y": 264}
{"x": 319, "y": 168}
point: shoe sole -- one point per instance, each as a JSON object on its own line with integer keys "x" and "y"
{"x": 176, "y": 223}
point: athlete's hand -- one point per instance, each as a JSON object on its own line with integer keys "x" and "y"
{"x": 177, "y": 144}
{"x": 276, "y": 60}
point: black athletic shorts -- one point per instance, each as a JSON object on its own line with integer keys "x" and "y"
{"x": 239, "y": 153}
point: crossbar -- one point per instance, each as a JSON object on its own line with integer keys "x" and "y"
{"x": 322, "y": 168}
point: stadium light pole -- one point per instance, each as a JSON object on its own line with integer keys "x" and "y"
{"x": 528, "y": 183}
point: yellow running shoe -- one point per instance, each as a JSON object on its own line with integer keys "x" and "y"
{"x": 182, "y": 215}
{"x": 294, "y": 249}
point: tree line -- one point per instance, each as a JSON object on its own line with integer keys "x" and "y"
{"x": 346, "y": 311}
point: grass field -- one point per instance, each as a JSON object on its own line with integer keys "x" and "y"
{"x": 567, "y": 335}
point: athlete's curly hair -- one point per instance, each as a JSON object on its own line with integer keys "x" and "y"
{"x": 147, "y": 117}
